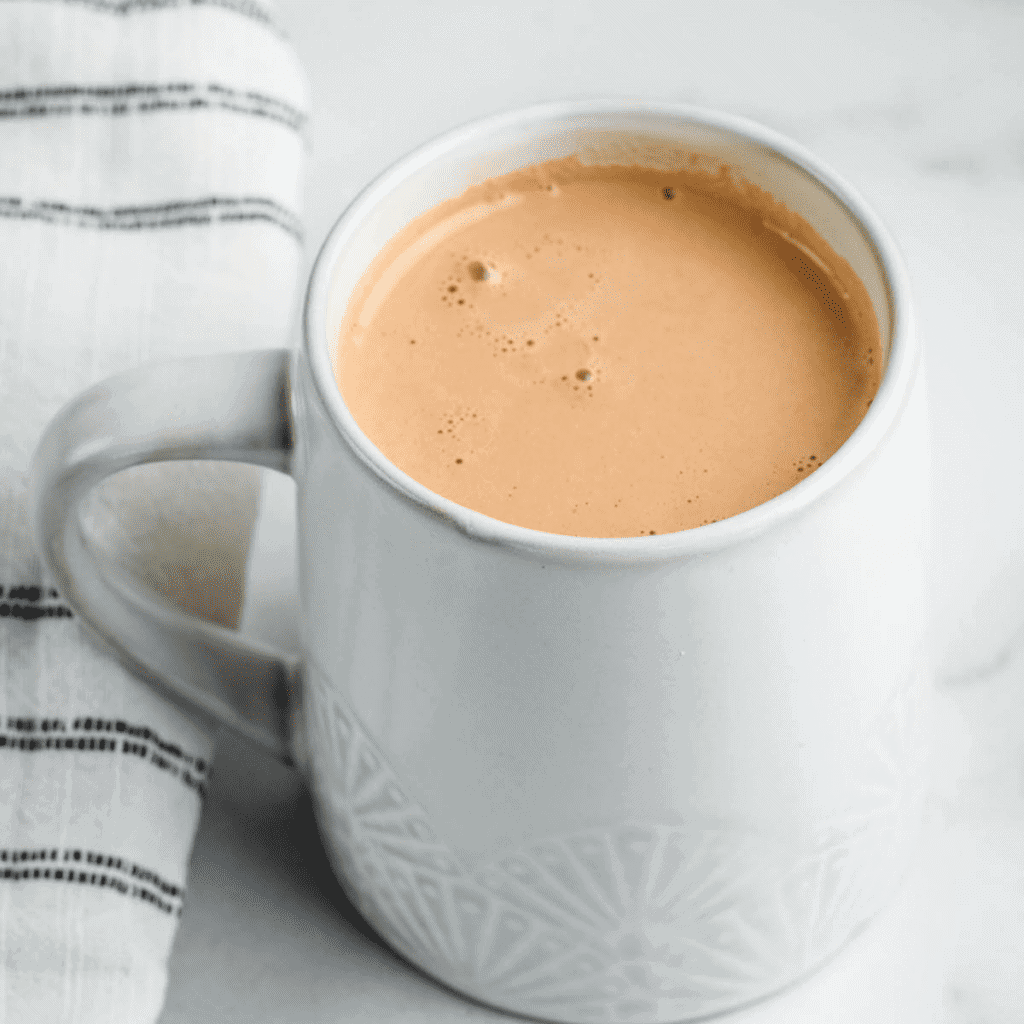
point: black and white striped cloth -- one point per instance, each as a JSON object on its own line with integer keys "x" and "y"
{"x": 151, "y": 156}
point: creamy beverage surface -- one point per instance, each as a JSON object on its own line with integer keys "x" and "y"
{"x": 609, "y": 351}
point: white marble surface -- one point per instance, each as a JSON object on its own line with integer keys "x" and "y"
{"x": 919, "y": 105}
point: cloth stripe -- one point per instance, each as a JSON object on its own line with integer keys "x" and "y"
{"x": 211, "y": 210}
{"x": 27, "y": 734}
{"x": 102, "y": 745}
{"x": 27, "y": 602}
{"x": 91, "y": 858}
{"x": 87, "y": 867}
{"x": 142, "y": 98}
{"x": 97, "y": 726}
{"x": 245, "y": 8}
{"x": 99, "y": 735}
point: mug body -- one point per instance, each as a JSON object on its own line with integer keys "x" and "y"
{"x": 644, "y": 779}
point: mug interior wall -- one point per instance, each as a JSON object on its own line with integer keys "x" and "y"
{"x": 647, "y": 138}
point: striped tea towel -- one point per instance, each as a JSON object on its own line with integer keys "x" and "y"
{"x": 149, "y": 207}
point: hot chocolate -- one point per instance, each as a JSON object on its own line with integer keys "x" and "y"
{"x": 609, "y": 351}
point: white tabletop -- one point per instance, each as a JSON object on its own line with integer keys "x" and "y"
{"x": 918, "y": 104}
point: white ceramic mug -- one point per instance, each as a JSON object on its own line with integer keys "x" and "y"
{"x": 643, "y": 779}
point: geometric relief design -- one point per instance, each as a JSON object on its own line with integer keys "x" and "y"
{"x": 634, "y": 922}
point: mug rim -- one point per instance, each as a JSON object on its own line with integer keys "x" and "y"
{"x": 879, "y": 420}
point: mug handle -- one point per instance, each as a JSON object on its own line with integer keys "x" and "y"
{"x": 232, "y": 408}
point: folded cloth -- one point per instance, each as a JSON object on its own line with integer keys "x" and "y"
{"x": 149, "y": 207}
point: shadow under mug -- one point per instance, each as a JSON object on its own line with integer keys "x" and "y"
{"x": 644, "y": 779}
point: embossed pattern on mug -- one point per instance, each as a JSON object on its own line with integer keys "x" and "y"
{"x": 635, "y": 921}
